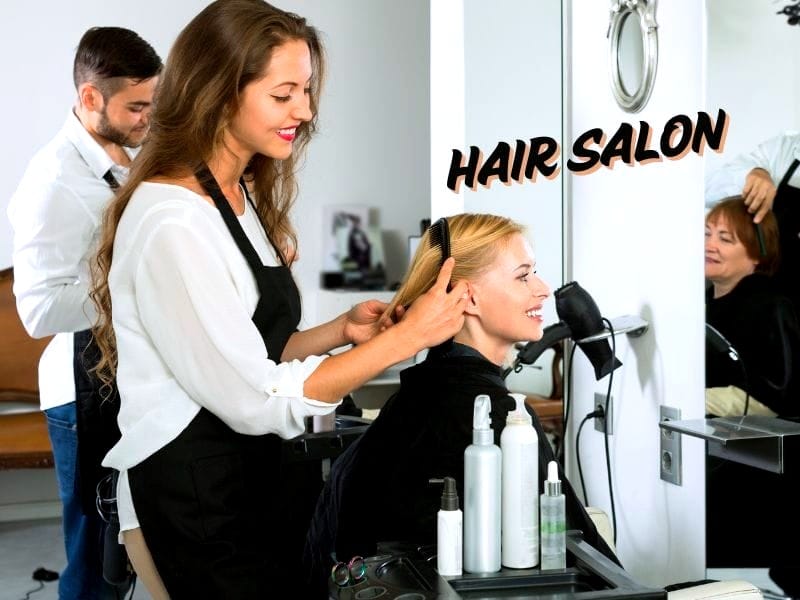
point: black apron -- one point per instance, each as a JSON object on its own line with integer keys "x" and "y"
{"x": 219, "y": 513}
{"x": 787, "y": 212}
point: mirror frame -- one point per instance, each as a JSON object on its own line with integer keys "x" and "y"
{"x": 644, "y": 12}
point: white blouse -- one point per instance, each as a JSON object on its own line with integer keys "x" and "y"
{"x": 183, "y": 298}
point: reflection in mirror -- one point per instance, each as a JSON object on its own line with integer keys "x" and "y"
{"x": 752, "y": 75}
{"x": 633, "y": 52}
{"x": 630, "y": 58}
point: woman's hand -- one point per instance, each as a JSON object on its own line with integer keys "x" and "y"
{"x": 367, "y": 319}
{"x": 438, "y": 315}
{"x": 759, "y": 193}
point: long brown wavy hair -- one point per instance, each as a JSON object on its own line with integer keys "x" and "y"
{"x": 224, "y": 48}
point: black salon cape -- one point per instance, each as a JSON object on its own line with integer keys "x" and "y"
{"x": 379, "y": 487}
{"x": 750, "y": 512}
{"x": 761, "y": 325}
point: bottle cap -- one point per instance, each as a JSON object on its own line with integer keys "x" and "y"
{"x": 520, "y": 415}
{"x": 481, "y": 425}
{"x": 449, "y": 495}
{"x": 552, "y": 487}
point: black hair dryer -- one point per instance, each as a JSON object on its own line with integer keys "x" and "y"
{"x": 580, "y": 320}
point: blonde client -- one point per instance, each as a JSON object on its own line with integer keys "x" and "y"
{"x": 379, "y": 489}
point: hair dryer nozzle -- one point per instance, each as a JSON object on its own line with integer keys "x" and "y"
{"x": 578, "y": 309}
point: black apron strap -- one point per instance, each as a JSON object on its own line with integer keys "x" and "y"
{"x": 789, "y": 173}
{"x": 210, "y": 185}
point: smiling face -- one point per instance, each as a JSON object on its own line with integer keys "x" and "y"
{"x": 124, "y": 118}
{"x": 505, "y": 302}
{"x": 274, "y": 106}
{"x": 726, "y": 258}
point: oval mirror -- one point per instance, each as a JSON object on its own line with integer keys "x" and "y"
{"x": 633, "y": 52}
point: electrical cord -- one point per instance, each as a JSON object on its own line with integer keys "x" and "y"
{"x": 594, "y": 414}
{"x": 41, "y": 575}
{"x": 33, "y": 591}
{"x": 561, "y": 454}
{"x": 605, "y": 431}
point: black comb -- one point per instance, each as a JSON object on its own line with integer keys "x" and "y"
{"x": 440, "y": 237}
{"x": 762, "y": 246}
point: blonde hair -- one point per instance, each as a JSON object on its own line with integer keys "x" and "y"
{"x": 475, "y": 241}
{"x": 228, "y": 45}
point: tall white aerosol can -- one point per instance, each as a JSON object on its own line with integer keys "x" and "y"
{"x": 520, "y": 521}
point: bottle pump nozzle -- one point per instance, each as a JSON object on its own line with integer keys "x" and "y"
{"x": 449, "y": 495}
{"x": 481, "y": 427}
{"x": 520, "y": 414}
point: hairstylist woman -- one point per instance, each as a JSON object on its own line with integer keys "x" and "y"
{"x": 204, "y": 339}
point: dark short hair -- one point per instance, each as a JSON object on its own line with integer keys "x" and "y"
{"x": 107, "y": 55}
{"x": 734, "y": 211}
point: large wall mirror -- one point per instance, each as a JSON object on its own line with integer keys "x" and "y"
{"x": 752, "y": 73}
{"x": 512, "y": 91}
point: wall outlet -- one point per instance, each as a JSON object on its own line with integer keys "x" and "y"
{"x": 671, "y": 455}
{"x": 600, "y": 423}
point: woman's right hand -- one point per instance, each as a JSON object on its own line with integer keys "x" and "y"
{"x": 759, "y": 193}
{"x": 437, "y": 315}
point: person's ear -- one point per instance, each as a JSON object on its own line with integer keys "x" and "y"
{"x": 472, "y": 306}
{"x": 90, "y": 97}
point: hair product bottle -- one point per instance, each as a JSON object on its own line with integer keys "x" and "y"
{"x": 482, "y": 472}
{"x": 449, "y": 551}
{"x": 554, "y": 541}
{"x": 520, "y": 447}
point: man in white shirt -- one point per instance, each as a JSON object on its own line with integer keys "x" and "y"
{"x": 55, "y": 214}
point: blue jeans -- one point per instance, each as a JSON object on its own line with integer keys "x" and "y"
{"x": 82, "y": 578}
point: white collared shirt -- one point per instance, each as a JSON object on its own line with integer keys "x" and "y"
{"x": 55, "y": 213}
{"x": 774, "y": 155}
{"x": 183, "y": 298}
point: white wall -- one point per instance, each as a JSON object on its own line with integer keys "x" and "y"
{"x": 637, "y": 248}
{"x": 752, "y": 72}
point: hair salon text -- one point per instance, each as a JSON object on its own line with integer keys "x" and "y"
{"x": 526, "y": 160}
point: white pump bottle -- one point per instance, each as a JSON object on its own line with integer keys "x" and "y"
{"x": 520, "y": 523}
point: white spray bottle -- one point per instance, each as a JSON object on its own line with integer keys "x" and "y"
{"x": 482, "y": 472}
{"x": 520, "y": 447}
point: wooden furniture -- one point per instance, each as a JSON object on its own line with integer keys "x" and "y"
{"x": 550, "y": 409}
{"x": 24, "y": 442}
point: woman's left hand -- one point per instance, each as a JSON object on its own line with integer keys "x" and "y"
{"x": 365, "y": 320}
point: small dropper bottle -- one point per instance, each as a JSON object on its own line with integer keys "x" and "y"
{"x": 553, "y": 522}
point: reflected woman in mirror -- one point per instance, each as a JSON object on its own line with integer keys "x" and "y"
{"x": 379, "y": 488}
{"x": 747, "y": 508}
{"x": 768, "y": 179}
{"x": 744, "y": 305}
